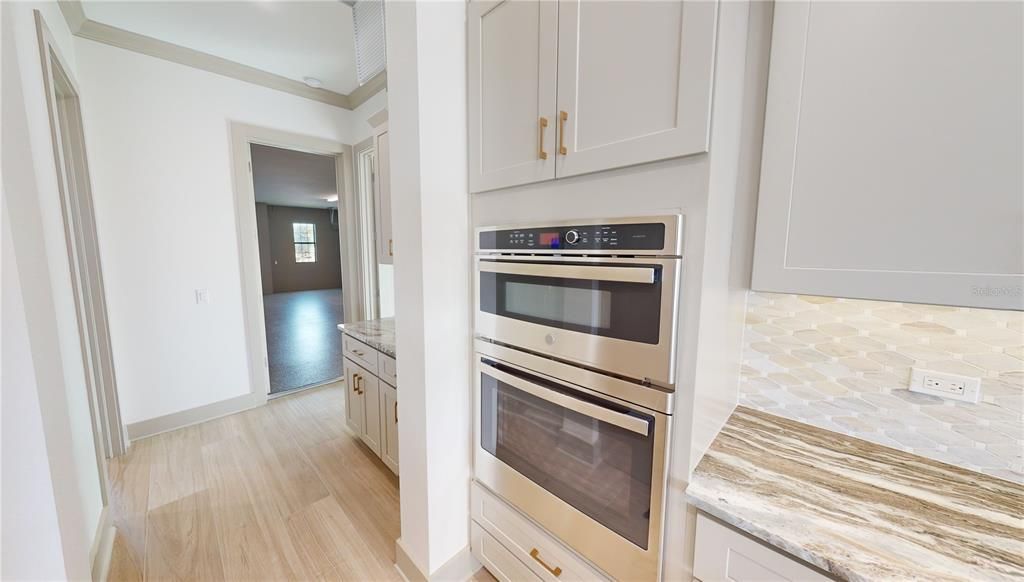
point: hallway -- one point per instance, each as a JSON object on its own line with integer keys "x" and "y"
{"x": 303, "y": 342}
{"x": 280, "y": 492}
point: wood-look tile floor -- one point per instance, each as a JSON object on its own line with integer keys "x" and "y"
{"x": 281, "y": 492}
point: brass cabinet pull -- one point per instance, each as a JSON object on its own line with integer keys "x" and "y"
{"x": 562, "y": 117}
{"x": 543, "y": 124}
{"x": 361, "y": 385}
{"x": 396, "y": 412}
{"x": 535, "y": 554}
{"x": 355, "y": 383}
{"x": 391, "y": 247}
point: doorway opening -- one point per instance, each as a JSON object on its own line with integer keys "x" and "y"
{"x": 68, "y": 136}
{"x": 298, "y": 232}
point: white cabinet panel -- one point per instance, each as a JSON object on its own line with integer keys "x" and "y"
{"x": 496, "y": 558}
{"x": 721, "y": 553}
{"x": 382, "y": 193}
{"x": 369, "y": 385}
{"x": 354, "y": 401}
{"x": 634, "y": 82}
{"x": 389, "y": 426}
{"x": 512, "y": 68}
{"x": 894, "y": 135}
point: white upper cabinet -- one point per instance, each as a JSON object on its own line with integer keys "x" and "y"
{"x": 893, "y": 148}
{"x": 634, "y": 82}
{"x": 564, "y": 88}
{"x": 512, "y": 65}
{"x": 382, "y": 193}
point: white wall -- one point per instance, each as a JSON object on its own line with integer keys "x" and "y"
{"x": 160, "y": 155}
{"x": 52, "y": 499}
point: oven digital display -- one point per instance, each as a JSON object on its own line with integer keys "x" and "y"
{"x": 549, "y": 240}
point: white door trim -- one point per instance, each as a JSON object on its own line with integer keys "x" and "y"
{"x": 242, "y": 135}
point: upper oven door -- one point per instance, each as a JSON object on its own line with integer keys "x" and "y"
{"x": 612, "y": 314}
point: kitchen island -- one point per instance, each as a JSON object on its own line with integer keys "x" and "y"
{"x": 371, "y": 391}
{"x": 854, "y": 509}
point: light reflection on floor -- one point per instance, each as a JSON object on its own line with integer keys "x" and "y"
{"x": 303, "y": 342}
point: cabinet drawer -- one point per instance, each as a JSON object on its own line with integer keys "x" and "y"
{"x": 360, "y": 353}
{"x": 496, "y": 558}
{"x": 722, "y": 553}
{"x": 542, "y": 553}
{"x": 387, "y": 369}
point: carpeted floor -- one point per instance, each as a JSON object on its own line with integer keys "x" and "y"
{"x": 303, "y": 342}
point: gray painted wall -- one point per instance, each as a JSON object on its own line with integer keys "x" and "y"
{"x": 263, "y": 235}
{"x": 284, "y": 273}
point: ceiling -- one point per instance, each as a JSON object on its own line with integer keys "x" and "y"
{"x": 290, "y": 178}
{"x": 293, "y": 39}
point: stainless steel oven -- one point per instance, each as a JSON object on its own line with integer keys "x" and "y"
{"x": 601, "y": 294}
{"x": 582, "y": 453}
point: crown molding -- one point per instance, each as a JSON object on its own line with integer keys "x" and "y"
{"x": 83, "y": 27}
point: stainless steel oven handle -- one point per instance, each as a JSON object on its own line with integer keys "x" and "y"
{"x": 630, "y": 423}
{"x": 595, "y": 273}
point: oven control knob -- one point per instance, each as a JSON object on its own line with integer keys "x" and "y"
{"x": 572, "y": 237}
{"x": 549, "y": 339}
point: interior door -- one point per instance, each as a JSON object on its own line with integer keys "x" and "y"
{"x": 512, "y": 79}
{"x": 634, "y": 82}
{"x": 385, "y": 243}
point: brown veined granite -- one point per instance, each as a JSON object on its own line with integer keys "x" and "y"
{"x": 858, "y": 510}
{"x": 377, "y": 333}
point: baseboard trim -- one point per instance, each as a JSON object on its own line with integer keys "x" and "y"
{"x": 459, "y": 568}
{"x": 102, "y": 547}
{"x": 406, "y": 567}
{"x": 183, "y": 418}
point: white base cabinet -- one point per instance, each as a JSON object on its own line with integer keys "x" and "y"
{"x": 518, "y": 548}
{"x": 371, "y": 402}
{"x": 722, "y": 553}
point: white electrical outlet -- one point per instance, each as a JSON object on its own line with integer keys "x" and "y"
{"x": 952, "y": 386}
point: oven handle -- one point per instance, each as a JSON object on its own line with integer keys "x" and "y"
{"x": 630, "y": 423}
{"x": 595, "y": 273}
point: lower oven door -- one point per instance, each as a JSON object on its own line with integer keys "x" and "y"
{"x": 609, "y": 313}
{"x": 588, "y": 467}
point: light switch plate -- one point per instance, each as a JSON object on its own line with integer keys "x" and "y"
{"x": 202, "y": 296}
{"x": 952, "y": 386}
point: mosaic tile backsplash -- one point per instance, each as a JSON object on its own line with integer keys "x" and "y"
{"x": 844, "y": 365}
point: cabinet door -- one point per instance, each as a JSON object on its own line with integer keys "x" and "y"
{"x": 721, "y": 553}
{"x": 634, "y": 82}
{"x": 892, "y": 153}
{"x": 389, "y": 424}
{"x": 382, "y": 191}
{"x": 512, "y": 60}
{"x": 354, "y": 415}
{"x": 370, "y": 387}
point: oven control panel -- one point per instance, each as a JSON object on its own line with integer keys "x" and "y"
{"x": 584, "y": 237}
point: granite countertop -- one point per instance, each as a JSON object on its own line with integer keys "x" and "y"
{"x": 858, "y": 510}
{"x": 378, "y": 333}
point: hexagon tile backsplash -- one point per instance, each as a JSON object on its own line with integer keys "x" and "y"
{"x": 844, "y": 365}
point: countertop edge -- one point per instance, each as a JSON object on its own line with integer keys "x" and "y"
{"x": 719, "y": 509}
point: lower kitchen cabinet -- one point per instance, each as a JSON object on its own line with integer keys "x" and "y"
{"x": 389, "y": 425}
{"x": 722, "y": 553}
{"x": 371, "y": 407}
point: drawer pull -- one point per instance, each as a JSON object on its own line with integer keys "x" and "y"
{"x": 535, "y": 554}
{"x": 357, "y": 352}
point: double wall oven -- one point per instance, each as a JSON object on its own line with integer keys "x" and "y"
{"x": 575, "y": 361}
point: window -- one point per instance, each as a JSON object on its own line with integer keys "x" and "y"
{"x": 304, "y": 237}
